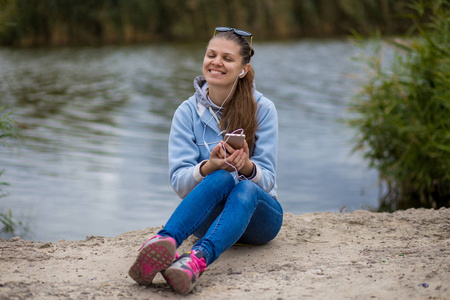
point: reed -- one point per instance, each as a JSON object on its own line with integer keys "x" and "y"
{"x": 6, "y": 219}
{"x": 71, "y": 22}
{"x": 6, "y": 130}
{"x": 402, "y": 113}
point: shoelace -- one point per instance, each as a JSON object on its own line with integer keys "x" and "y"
{"x": 198, "y": 265}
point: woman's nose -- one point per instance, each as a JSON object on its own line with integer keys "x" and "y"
{"x": 216, "y": 61}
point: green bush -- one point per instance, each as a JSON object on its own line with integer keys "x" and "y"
{"x": 402, "y": 113}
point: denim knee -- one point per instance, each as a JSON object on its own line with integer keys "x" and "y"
{"x": 220, "y": 176}
{"x": 245, "y": 193}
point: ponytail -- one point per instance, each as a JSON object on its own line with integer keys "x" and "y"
{"x": 240, "y": 112}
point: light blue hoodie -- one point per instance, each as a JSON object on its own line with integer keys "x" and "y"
{"x": 195, "y": 132}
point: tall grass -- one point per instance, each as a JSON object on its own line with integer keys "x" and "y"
{"x": 403, "y": 113}
{"x": 82, "y": 22}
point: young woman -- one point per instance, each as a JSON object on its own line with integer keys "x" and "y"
{"x": 229, "y": 195}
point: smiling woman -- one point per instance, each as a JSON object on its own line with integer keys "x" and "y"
{"x": 227, "y": 193}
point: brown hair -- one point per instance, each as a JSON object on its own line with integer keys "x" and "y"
{"x": 240, "y": 111}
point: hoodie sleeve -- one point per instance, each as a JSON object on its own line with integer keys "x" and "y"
{"x": 183, "y": 152}
{"x": 266, "y": 146}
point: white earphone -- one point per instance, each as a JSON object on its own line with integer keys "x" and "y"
{"x": 242, "y": 73}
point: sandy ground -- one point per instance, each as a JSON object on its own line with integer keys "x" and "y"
{"x": 358, "y": 255}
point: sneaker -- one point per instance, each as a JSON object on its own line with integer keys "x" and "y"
{"x": 156, "y": 255}
{"x": 184, "y": 272}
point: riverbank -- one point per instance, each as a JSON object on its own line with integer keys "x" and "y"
{"x": 358, "y": 255}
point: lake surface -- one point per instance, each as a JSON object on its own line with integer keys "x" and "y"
{"x": 95, "y": 125}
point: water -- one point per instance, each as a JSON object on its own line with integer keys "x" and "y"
{"x": 95, "y": 121}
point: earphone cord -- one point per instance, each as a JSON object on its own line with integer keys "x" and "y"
{"x": 239, "y": 176}
{"x": 214, "y": 115}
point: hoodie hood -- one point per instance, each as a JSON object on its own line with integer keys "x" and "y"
{"x": 201, "y": 95}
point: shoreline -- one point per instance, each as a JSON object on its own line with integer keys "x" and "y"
{"x": 357, "y": 255}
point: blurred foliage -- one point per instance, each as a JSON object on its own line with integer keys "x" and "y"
{"x": 7, "y": 129}
{"x": 403, "y": 113}
{"x": 9, "y": 225}
{"x": 78, "y": 22}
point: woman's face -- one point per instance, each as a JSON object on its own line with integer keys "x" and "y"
{"x": 222, "y": 62}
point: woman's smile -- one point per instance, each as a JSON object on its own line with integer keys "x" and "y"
{"x": 216, "y": 72}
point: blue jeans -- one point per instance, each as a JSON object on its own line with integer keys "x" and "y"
{"x": 221, "y": 213}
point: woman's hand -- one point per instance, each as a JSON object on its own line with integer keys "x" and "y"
{"x": 242, "y": 160}
{"x": 239, "y": 158}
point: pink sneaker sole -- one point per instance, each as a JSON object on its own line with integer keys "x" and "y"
{"x": 179, "y": 280}
{"x": 153, "y": 258}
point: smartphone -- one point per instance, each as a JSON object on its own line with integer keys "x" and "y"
{"x": 235, "y": 140}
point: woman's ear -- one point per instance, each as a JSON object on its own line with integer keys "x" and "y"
{"x": 245, "y": 70}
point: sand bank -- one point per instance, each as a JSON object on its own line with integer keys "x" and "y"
{"x": 358, "y": 255}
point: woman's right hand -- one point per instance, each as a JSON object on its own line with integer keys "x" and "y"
{"x": 217, "y": 160}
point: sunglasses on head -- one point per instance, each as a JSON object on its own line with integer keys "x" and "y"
{"x": 237, "y": 31}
